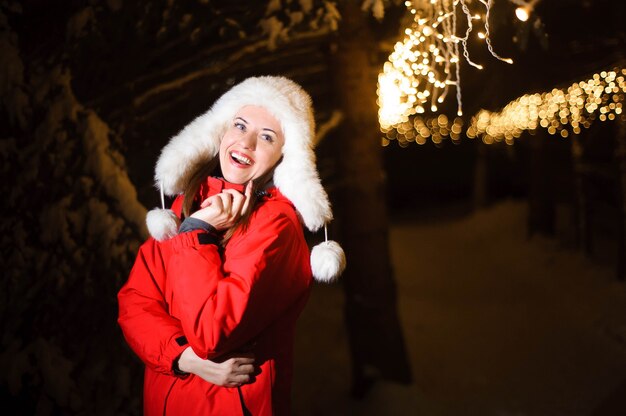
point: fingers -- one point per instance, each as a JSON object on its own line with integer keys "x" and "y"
{"x": 247, "y": 359}
{"x": 231, "y": 202}
{"x": 226, "y": 199}
{"x": 240, "y": 365}
{"x": 223, "y": 202}
{"x": 205, "y": 203}
{"x": 216, "y": 201}
{"x": 245, "y": 369}
{"x": 233, "y": 371}
{"x": 238, "y": 381}
{"x": 235, "y": 202}
{"x": 242, "y": 356}
{"x": 238, "y": 373}
{"x": 224, "y": 209}
{"x": 247, "y": 199}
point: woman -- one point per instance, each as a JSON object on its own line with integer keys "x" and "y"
{"x": 232, "y": 279}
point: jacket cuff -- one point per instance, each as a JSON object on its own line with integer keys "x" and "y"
{"x": 177, "y": 371}
{"x": 172, "y": 352}
{"x": 193, "y": 238}
{"x": 191, "y": 224}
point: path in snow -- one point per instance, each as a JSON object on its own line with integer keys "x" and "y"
{"x": 495, "y": 324}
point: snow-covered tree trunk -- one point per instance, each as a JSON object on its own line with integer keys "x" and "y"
{"x": 620, "y": 153}
{"x": 375, "y": 336}
{"x": 540, "y": 193}
{"x": 480, "y": 176}
{"x": 581, "y": 198}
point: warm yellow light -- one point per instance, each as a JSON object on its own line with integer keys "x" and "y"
{"x": 522, "y": 13}
{"x": 563, "y": 111}
{"x": 423, "y": 68}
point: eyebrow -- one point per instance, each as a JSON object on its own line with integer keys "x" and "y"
{"x": 264, "y": 128}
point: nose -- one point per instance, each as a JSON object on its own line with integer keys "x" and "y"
{"x": 248, "y": 140}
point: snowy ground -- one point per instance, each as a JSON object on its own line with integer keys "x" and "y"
{"x": 495, "y": 324}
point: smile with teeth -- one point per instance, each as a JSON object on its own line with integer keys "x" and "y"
{"x": 238, "y": 157}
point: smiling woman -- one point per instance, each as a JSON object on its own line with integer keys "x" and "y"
{"x": 211, "y": 304}
{"x": 251, "y": 146}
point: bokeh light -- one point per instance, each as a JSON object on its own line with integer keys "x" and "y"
{"x": 561, "y": 111}
{"x": 423, "y": 66}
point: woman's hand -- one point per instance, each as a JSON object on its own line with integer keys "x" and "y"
{"x": 234, "y": 371}
{"x": 224, "y": 209}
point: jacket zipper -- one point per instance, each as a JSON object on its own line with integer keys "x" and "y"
{"x": 244, "y": 409}
{"x": 167, "y": 396}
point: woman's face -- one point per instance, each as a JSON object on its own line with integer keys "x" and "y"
{"x": 251, "y": 146}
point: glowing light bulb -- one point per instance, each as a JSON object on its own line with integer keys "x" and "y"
{"x": 522, "y": 13}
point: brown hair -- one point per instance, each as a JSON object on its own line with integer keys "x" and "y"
{"x": 193, "y": 186}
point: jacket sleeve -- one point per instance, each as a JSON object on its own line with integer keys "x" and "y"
{"x": 151, "y": 332}
{"x": 222, "y": 306}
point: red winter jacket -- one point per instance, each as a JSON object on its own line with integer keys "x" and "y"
{"x": 182, "y": 293}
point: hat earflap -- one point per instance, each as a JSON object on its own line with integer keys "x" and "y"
{"x": 328, "y": 261}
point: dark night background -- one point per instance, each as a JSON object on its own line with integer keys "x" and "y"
{"x": 482, "y": 279}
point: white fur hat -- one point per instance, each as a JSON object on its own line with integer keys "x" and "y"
{"x": 295, "y": 176}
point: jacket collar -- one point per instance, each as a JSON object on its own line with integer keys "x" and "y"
{"x": 214, "y": 185}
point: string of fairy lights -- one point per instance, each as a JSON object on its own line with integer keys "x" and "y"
{"x": 424, "y": 65}
{"x": 561, "y": 111}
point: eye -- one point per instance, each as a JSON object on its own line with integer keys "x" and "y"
{"x": 240, "y": 126}
{"x": 268, "y": 138}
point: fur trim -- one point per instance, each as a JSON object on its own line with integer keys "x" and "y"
{"x": 296, "y": 176}
{"x": 328, "y": 261}
{"x": 162, "y": 223}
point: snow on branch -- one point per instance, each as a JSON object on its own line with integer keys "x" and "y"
{"x": 331, "y": 124}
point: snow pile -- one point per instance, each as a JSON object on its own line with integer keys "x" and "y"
{"x": 495, "y": 324}
{"x": 284, "y": 18}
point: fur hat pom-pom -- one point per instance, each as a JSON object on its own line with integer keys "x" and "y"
{"x": 328, "y": 261}
{"x": 162, "y": 223}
